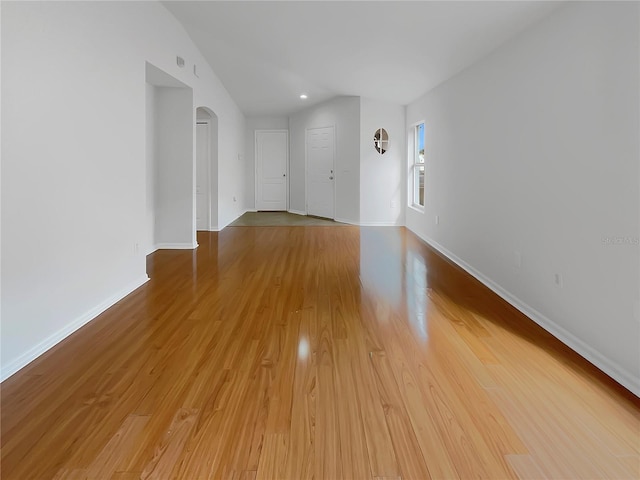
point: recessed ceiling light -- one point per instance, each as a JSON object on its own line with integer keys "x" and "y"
{"x": 303, "y": 96}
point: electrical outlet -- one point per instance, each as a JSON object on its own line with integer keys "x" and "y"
{"x": 518, "y": 259}
{"x": 437, "y": 219}
{"x": 394, "y": 204}
{"x": 136, "y": 248}
{"x": 557, "y": 278}
{"x": 234, "y": 198}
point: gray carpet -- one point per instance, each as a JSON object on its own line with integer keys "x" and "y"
{"x": 276, "y": 219}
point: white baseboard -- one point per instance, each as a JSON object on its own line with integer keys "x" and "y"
{"x": 297, "y": 212}
{"x": 49, "y": 342}
{"x": 611, "y": 368}
{"x": 176, "y": 246}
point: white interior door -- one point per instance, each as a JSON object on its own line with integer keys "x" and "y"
{"x": 320, "y": 172}
{"x": 202, "y": 176}
{"x": 272, "y": 155}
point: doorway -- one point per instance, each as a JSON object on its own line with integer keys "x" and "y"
{"x": 272, "y": 165}
{"x": 320, "y": 152}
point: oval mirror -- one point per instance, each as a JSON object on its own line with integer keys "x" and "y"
{"x": 381, "y": 140}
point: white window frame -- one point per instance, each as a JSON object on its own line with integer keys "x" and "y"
{"x": 414, "y": 165}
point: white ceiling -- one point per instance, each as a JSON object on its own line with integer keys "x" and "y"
{"x": 268, "y": 53}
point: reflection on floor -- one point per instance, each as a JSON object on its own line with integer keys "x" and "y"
{"x": 276, "y": 219}
{"x": 314, "y": 352}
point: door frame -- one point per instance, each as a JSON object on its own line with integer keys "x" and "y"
{"x": 306, "y": 168}
{"x": 255, "y": 164}
{"x": 206, "y": 122}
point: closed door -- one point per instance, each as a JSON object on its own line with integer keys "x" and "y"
{"x": 202, "y": 176}
{"x": 320, "y": 172}
{"x": 272, "y": 152}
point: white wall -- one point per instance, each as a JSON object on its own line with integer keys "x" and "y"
{"x": 174, "y": 189}
{"x": 231, "y": 168}
{"x": 535, "y": 149}
{"x": 149, "y": 236}
{"x": 74, "y": 175}
{"x": 214, "y": 172}
{"x": 253, "y": 124}
{"x": 344, "y": 114}
{"x": 382, "y": 185}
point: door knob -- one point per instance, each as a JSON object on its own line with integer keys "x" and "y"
{"x": 331, "y": 177}
{"x": 284, "y": 174}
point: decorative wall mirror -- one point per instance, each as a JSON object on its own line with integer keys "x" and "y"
{"x": 381, "y": 140}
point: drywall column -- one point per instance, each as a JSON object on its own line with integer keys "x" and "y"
{"x": 213, "y": 172}
{"x": 174, "y": 198}
{"x": 150, "y": 160}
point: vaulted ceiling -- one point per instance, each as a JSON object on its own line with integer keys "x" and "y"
{"x": 268, "y": 53}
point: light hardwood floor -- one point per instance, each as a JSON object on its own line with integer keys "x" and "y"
{"x": 314, "y": 352}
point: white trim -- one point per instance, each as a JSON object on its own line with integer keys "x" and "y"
{"x": 255, "y": 165}
{"x": 411, "y": 156}
{"x": 51, "y": 341}
{"x": 306, "y": 168}
{"x": 297, "y": 212}
{"x": 176, "y": 246}
{"x": 152, "y": 249}
{"x": 611, "y": 368}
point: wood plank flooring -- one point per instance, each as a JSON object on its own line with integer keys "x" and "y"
{"x": 314, "y": 352}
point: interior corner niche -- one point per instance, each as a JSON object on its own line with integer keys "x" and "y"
{"x": 381, "y": 140}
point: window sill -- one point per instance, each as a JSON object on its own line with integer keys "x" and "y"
{"x": 417, "y": 208}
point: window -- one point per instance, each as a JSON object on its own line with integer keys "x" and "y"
{"x": 417, "y": 167}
